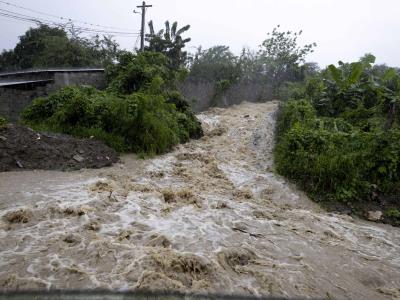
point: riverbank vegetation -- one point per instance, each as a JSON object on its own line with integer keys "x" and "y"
{"x": 140, "y": 111}
{"x": 338, "y": 136}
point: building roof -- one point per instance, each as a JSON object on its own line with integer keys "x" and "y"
{"x": 22, "y": 82}
{"x": 52, "y": 70}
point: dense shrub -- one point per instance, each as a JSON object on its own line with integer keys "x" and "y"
{"x": 140, "y": 111}
{"x": 139, "y": 122}
{"x": 134, "y": 72}
{"x": 294, "y": 112}
{"x": 339, "y": 137}
{"x": 337, "y": 164}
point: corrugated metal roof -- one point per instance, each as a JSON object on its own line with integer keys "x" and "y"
{"x": 13, "y": 83}
{"x": 61, "y": 70}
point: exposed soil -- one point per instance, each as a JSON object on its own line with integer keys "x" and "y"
{"x": 209, "y": 217}
{"x": 22, "y": 148}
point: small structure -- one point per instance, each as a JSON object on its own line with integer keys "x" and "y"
{"x": 18, "y": 89}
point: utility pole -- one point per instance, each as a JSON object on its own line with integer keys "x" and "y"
{"x": 143, "y": 7}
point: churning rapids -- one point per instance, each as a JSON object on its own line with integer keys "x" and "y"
{"x": 209, "y": 217}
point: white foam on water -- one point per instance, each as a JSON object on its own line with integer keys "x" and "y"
{"x": 232, "y": 226}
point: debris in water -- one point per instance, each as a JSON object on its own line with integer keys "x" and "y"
{"x": 72, "y": 239}
{"x": 124, "y": 235}
{"x": 19, "y": 216}
{"x": 244, "y": 194}
{"x": 221, "y": 205}
{"x": 169, "y": 195}
{"x": 230, "y": 258}
{"x": 93, "y": 225}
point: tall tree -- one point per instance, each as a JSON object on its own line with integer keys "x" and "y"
{"x": 282, "y": 56}
{"x": 47, "y": 46}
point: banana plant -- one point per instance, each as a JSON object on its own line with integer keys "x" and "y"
{"x": 169, "y": 41}
{"x": 391, "y": 80}
{"x": 347, "y": 85}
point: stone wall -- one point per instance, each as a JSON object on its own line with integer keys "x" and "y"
{"x": 15, "y": 97}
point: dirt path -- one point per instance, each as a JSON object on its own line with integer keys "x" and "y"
{"x": 208, "y": 217}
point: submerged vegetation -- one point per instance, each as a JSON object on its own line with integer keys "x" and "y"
{"x": 338, "y": 134}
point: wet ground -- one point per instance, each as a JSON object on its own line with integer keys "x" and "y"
{"x": 209, "y": 217}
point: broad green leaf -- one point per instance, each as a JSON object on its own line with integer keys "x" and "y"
{"x": 356, "y": 72}
{"x": 336, "y": 74}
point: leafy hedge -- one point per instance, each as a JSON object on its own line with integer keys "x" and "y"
{"x": 336, "y": 143}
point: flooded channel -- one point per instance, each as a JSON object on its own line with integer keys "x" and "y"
{"x": 210, "y": 216}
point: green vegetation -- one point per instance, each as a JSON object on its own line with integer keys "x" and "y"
{"x": 139, "y": 122}
{"x": 394, "y": 213}
{"x": 3, "y": 122}
{"x": 47, "y": 46}
{"x": 282, "y": 57}
{"x": 279, "y": 60}
{"x": 169, "y": 41}
{"x": 338, "y": 134}
{"x": 140, "y": 111}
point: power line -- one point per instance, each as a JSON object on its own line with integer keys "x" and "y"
{"x": 32, "y": 19}
{"x": 62, "y": 18}
{"x": 69, "y": 25}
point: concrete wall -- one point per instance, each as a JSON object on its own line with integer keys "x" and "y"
{"x": 201, "y": 95}
{"x": 96, "y": 79}
{"x": 14, "y": 98}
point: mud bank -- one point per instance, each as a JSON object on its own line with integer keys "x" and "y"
{"x": 21, "y": 148}
{"x": 209, "y": 217}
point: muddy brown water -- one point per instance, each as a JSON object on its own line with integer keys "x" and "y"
{"x": 210, "y": 216}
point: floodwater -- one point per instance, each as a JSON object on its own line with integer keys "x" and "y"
{"x": 210, "y": 216}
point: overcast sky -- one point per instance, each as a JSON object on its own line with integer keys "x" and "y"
{"x": 343, "y": 29}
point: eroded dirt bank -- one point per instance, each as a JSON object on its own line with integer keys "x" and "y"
{"x": 209, "y": 217}
{"x": 22, "y": 148}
